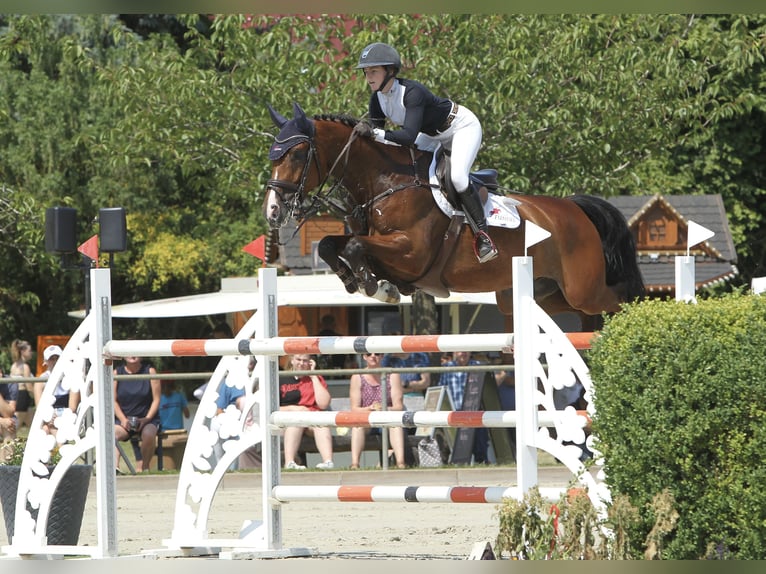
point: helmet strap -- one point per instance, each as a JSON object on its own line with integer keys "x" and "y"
{"x": 389, "y": 76}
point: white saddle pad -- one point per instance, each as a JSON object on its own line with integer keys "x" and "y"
{"x": 500, "y": 211}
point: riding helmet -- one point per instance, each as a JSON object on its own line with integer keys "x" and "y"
{"x": 379, "y": 54}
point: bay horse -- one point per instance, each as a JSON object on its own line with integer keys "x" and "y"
{"x": 401, "y": 241}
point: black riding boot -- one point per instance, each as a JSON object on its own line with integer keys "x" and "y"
{"x": 483, "y": 246}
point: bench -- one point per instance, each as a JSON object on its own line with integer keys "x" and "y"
{"x": 170, "y": 449}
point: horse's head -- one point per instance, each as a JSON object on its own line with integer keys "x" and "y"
{"x": 291, "y": 155}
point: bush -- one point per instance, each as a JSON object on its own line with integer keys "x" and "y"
{"x": 679, "y": 395}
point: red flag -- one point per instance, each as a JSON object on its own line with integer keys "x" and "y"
{"x": 90, "y": 249}
{"x": 257, "y": 248}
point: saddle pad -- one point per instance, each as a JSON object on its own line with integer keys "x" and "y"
{"x": 500, "y": 211}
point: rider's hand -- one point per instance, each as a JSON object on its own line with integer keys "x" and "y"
{"x": 363, "y": 129}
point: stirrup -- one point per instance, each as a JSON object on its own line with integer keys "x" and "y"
{"x": 483, "y": 247}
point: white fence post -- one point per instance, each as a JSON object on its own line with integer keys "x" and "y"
{"x": 101, "y": 298}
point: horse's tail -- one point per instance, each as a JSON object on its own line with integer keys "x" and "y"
{"x": 617, "y": 243}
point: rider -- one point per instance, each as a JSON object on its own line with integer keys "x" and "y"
{"x": 427, "y": 120}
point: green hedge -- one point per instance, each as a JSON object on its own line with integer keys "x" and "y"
{"x": 680, "y": 400}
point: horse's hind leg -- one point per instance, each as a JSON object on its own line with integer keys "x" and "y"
{"x": 329, "y": 249}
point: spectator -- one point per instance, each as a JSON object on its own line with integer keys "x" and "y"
{"x": 221, "y": 330}
{"x": 329, "y": 329}
{"x": 136, "y": 408}
{"x": 8, "y": 394}
{"x": 251, "y": 457}
{"x": 506, "y": 390}
{"x": 61, "y": 396}
{"x": 21, "y": 353}
{"x": 414, "y": 383}
{"x": 365, "y": 395}
{"x": 456, "y": 381}
{"x": 305, "y": 393}
{"x": 229, "y": 397}
{"x": 174, "y": 407}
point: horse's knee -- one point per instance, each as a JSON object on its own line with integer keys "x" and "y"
{"x": 327, "y": 250}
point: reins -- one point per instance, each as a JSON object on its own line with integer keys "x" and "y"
{"x": 323, "y": 197}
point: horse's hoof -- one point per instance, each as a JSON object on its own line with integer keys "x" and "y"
{"x": 370, "y": 288}
{"x": 387, "y": 293}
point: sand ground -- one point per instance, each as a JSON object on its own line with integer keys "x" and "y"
{"x": 330, "y": 530}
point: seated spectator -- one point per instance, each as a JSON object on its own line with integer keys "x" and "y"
{"x": 305, "y": 393}
{"x": 506, "y": 390}
{"x": 413, "y": 383}
{"x": 329, "y": 329}
{"x": 21, "y": 353}
{"x": 174, "y": 407}
{"x": 456, "y": 382}
{"x": 251, "y": 457}
{"x": 61, "y": 396}
{"x": 221, "y": 330}
{"x": 8, "y": 396}
{"x": 225, "y": 423}
{"x": 365, "y": 395}
{"x": 136, "y": 408}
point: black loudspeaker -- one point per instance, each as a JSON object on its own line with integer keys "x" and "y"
{"x": 61, "y": 230}
{"x": 113, "y": 232}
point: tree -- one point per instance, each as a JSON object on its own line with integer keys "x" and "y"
{"x": 166, "y": 116}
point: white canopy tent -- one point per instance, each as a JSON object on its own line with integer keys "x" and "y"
{"x": 239, "y": 294}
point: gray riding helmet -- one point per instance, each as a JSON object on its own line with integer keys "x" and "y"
{"x": 380, "y": 54}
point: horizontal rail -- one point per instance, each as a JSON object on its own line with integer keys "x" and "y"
{"x": 362, "y": 493}
{"x": 411, "y": 419}
{"x": 499, "y": 342}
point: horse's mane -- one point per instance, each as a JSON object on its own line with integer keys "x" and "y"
{"x": 344, "y": 119}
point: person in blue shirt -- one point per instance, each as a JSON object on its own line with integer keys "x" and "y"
{"x": 173, "y": 407}
{"x": 415, "y": 383}
{"x": 456, "y": 381}
{"x": 228, "y": 396}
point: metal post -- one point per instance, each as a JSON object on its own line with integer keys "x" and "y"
{"x": 104, "y": 416}
{"x": 524, "y": 334}
{"x": 268, "y": 375}
{"x": 685, "y": 285}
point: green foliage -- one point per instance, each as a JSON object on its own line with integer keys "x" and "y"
{"x": 679, "y": 406}
{"x": 163, "y": 114}
{"x": 12, "y": 453}
{"x": 571, "y": 529}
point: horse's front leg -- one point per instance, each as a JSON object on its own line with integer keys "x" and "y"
{"x": 329, "y": 249}
{"x": 359, "y": 260}
{"x": 356, "y": 256}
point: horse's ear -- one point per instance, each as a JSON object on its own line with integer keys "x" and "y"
{"x": 298, "y": 111}
{"x": 278, "y": 119}
{"x": 305, "y": 125}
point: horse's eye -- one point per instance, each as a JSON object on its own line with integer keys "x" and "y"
{"x": 299, "y": 155}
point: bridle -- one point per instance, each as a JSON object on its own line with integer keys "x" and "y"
{"x": 292, "y": 195}
{"x": 287, "y": 189}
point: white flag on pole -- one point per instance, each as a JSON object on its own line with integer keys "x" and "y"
{"x": 533, "y": 234}
{"x": 696, "y": 234}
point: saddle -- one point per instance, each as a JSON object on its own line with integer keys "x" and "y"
{"x": 483, "y": 181}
